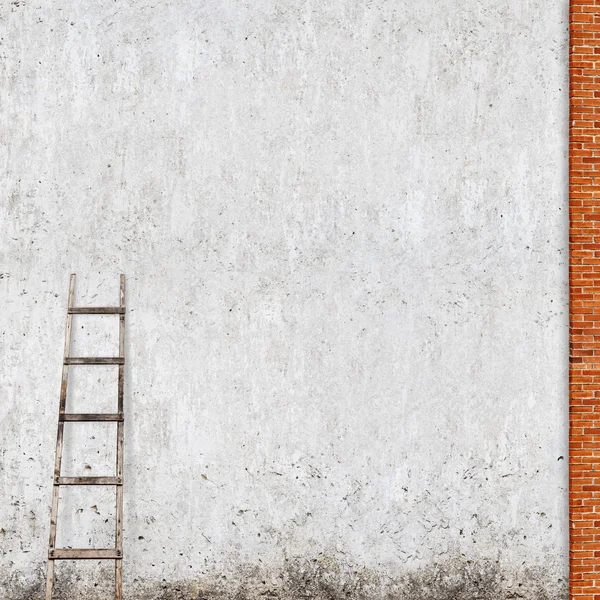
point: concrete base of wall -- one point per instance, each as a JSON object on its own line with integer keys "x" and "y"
{"x": 320, "y": 578}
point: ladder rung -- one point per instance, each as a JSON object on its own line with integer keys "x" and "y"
{"x": 84, "y": 553}
{"x": 97, "y": 310}
{"x": 91, "y": 417}
{"x": 88, "y": 481}
{"x": 94, "y": 360}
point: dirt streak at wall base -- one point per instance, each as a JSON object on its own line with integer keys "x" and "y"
{"x": 322, "y": 578}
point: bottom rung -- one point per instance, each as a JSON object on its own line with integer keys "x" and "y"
{"x": 84, "y": 553}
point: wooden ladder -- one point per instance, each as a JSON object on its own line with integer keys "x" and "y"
{"x": 115, "y": 553}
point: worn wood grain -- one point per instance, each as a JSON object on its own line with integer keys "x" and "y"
{"x": 90, "y": 553}
{"x": 120, "y": 439}
{"x": 49, "y": 579}
{"x": 96, "y": 310}
{"x": 59, "y": 439}
{"x": 84, "y": 553}
{"x": 94, "y": 360}
{"x": 88, "y": 481}
{"x": 91, "y": 417}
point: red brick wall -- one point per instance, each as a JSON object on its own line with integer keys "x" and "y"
{"x": 584, "y": 204}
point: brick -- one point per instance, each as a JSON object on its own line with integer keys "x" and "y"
{"x": 584, "y": 287}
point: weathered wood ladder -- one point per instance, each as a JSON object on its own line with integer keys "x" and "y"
{"x": 115, "y": 553}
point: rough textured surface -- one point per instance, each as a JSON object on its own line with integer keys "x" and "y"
{"x": 344, "y": 229}
{"x": 584, "y": 288}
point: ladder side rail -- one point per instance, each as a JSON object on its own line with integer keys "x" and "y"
{"x": 119, "y": 457}
{"x": 59, "y": 443}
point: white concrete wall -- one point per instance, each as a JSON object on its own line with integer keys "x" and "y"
{"x": 344, "y": 228}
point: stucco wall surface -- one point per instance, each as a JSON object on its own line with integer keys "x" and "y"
{"x": 344, "y": 230}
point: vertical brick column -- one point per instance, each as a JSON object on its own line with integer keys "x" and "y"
{"x": 584, "y": 246}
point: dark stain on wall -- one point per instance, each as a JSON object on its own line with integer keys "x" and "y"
{"x": 322, "y": 578}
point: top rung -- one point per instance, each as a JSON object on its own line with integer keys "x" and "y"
{"x": 97, "y": 310}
